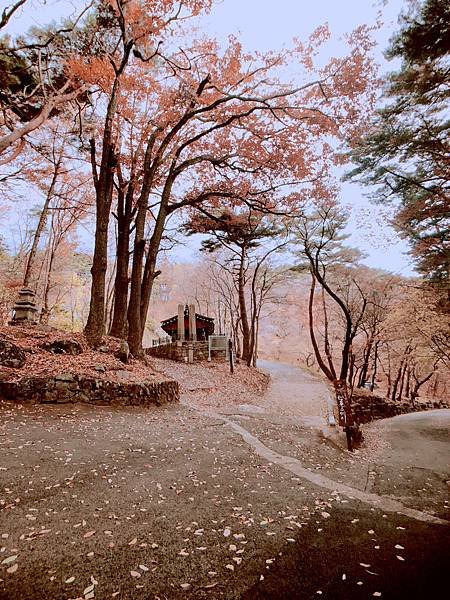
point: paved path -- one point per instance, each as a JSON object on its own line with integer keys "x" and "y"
{"x": 420, "y": 439}
{"x": 295, "y": 392}
{"x": 413, "y": 466}
{"x": 408, "y": 561}
{"x": 141, "y": 504}
{"x": 295, "y": 466}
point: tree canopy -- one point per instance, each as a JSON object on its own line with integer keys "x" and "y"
{"x": 406, "y": 151}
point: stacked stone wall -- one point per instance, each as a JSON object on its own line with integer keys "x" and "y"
{"x": 180, "y": 352}
{"x": 67, "y": 388}
{"x": 370, "y": 407}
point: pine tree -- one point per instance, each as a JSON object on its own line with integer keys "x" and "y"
{"x": 405, "y": 153}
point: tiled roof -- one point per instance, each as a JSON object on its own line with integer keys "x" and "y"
{"x": 197, "y": 316}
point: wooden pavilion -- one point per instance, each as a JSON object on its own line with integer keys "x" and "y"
{"x": 188, "y": 325}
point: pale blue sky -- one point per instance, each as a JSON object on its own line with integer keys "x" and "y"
{"x": 271, "y": 24}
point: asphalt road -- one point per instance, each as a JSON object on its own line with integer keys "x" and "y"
{"x": 295, "y": 391}
{"x": 172, "y": 504}
{"x": 419, "y": 439}
{"x": 348, "y": 563}
{"x": 363, "y": 553}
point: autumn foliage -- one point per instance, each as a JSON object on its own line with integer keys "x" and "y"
{"x": 139, "y": 125}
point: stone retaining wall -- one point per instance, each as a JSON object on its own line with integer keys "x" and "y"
{"x": 179, "y": 352}
{"x": 369, "y": 407}
{"x": 66, "y": 388}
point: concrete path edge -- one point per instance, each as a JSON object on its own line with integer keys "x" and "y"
{"x": 294, "y": 466}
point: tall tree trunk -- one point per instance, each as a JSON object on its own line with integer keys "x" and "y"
{"x": 345, "y": 412}
{"x": 397, "y": 381}
{"x": 402, "y": 380}
{"x": 134, "y": 305}
{"x": 41, "y": 226}
{"x": 251, "y": 358}
{"x": 135, "y": 326}
{"x": 95, "y": 326}
{"x": 237, "y": 345}
{"x": 343, "y": 402}
{"x": 103, "y": 181}
{"x": 365, "y": 366}
{"x": 150, "y": 272}
{"x": 323, "y": 367}
{"x": 109, "y": 307}
{"x": 352, "y": 372}
{"x": 255, "y": 351}
{"x": 45, "y": 312}
{"x": 147, "y": 276}
{"x": 327, "y": 346}
{"x": 119, "y": 324}
{"x": 375, "y": 366}
{"x": 243, "y": 307}
{"x": 401, "y": 374}
{"x": 388, "y": 374}
{"x": 219, "y": 316}
{"x": 408, "y": 383}
{"x": 236, "y": 337}
{"x": 354, "y": 378}
{"x": 389, "y": 385}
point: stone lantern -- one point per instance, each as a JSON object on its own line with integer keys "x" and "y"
{"x": 25, "y": 307}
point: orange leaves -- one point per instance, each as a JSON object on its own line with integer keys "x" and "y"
{"x": 230, "y": 103}
{"x": 92, "y": 70}
{"x": 138, "y": 22}
{"x": 89, "y": 534}
{"x": 143, "y": 18}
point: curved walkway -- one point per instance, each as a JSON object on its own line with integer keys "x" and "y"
{"x": 295, "y": 466}
{"x": 296, "y": 392}
{"x": 403, "y": 452}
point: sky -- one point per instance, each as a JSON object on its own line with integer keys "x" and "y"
{"x": 271, "y": 24}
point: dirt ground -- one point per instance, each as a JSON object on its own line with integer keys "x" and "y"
{"x": 41, "y": 362}
{"x": 210, "y": 384}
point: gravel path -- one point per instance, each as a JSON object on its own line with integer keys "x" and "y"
{"x": 293, "y": 394}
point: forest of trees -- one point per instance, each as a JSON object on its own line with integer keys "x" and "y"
{"x": 125, "y": 127}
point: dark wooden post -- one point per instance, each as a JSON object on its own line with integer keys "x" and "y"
{"x": 230, "y": 355}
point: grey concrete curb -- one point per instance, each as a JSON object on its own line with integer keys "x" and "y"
{"x": 335, "y": 436}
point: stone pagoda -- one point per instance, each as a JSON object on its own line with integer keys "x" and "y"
{"x": 25, "y": 308}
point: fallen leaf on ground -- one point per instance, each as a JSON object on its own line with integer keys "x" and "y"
{"x": 89, "y": 534}
{"x": 12, "y": 569}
